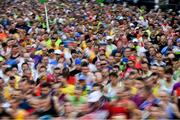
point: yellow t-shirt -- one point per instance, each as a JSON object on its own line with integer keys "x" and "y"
{"x": 20, "y": 115}
{"x": 69, "y": 89}
{"x": 134, "y": 90}
{"x": 57, "y": 44}
{"x": 17, "y": 79}
{"x": 7, "y": 92}
{"x": 155, "y": 90}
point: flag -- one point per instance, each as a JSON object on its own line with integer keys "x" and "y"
{"x": 43, "y": 1}
{"x": 100, "y": 1}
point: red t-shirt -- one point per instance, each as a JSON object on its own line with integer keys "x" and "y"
{"x": 178, "y": 92}
{"x": 115, "y": 110}
{"x": 71, "y": 80}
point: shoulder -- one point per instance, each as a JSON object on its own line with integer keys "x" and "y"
{"x": 173, "y": 105}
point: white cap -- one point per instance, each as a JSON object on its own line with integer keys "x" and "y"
{"x": 94, "y": 96}
{"x": 109, "y": 38}
{"x": 135, "y": 40}
{"x": 34, "y": 45}
{"x": 131, "y": 25}
{"x": 136, "y": 28}
{"x": 57, "y": 52}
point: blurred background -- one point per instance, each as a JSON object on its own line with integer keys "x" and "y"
{"x": 150, "y": 4}
{"x": 163, "y": 4}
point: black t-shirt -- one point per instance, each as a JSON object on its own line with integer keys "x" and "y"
{"x": 74, "y": 72}
{"x": 23, "y": 26}
{"x": 51, "y": 111}
{"x": 14, "y": 56}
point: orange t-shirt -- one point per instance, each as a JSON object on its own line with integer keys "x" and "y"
{"x": 3, "y": 36}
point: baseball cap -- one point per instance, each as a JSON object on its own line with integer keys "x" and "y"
{"x": 135, "y": 40}
{"x": 82, "y": 77}
{"x": 57, "y": 52}
{"x": 109, "y": 37}
{"x": 132, "y": 57}
{"x": 77, "y": 61}
{"x": 124, "y": 59}
{"x": 103, "y": 43}
{"x": 94, "y": 96}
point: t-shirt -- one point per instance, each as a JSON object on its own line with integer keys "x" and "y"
{"x": 20, "y": 114}
{"x": 75, "y": 101}
{"x": 138, "y": 100}
{"x": 147, "y": 103}
{"x": 3, "y": 36}
{"x": 71, "y": 80}
{"x": 155, "y": 90}
{"x": 167, "y": 88}
{"x": 175, "y": 87}
{"x": 69, "y": 89}
{"x": 111, "y": 91}
{"x": 74, "y": 72}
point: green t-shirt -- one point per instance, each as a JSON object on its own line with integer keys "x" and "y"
{"x": 75, "y": 101}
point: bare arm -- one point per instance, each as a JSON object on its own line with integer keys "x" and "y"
{"x": 176, "y": 111}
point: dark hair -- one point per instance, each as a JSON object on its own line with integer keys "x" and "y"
{"x": 43, "y": 66}
{"x": 24, "y": 78}
{"x": 169, "y": 71}
{"x": 113, "y": 74}
{"x": 45, "y": 84}
{"x": 87, "y": 37}
{"x": 14, "y": 66}
{"x": 25, "y": 63}
{"x": 73, "y": 51}
{"x": 98, "y": 85}
{"x": 65, "y": 72}
{"x": 133, "y": 49}
{"x": 11, "y": 77}
{"x": 31, "y": 82}
{"x": 116, "y": 66}
{"x": 175, "y": 59}
{"x": 51, "y": 51}
{"x": 132, "y": 73}
{"x": 140, "y": 79}
{"x": 154, "y": 74}
{"x": 84, "y": 64}
{"x": 57, "y": 68}
{"x": 7, "y": 70}
{"x": 4, "y": 44}
{"x": 14, "y": 46}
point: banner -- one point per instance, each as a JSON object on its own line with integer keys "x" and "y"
{"x": 43, "y": 1}
{"x": 100, "y": 1}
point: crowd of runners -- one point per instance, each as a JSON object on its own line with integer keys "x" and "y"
{"x": 99, "y": 61}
